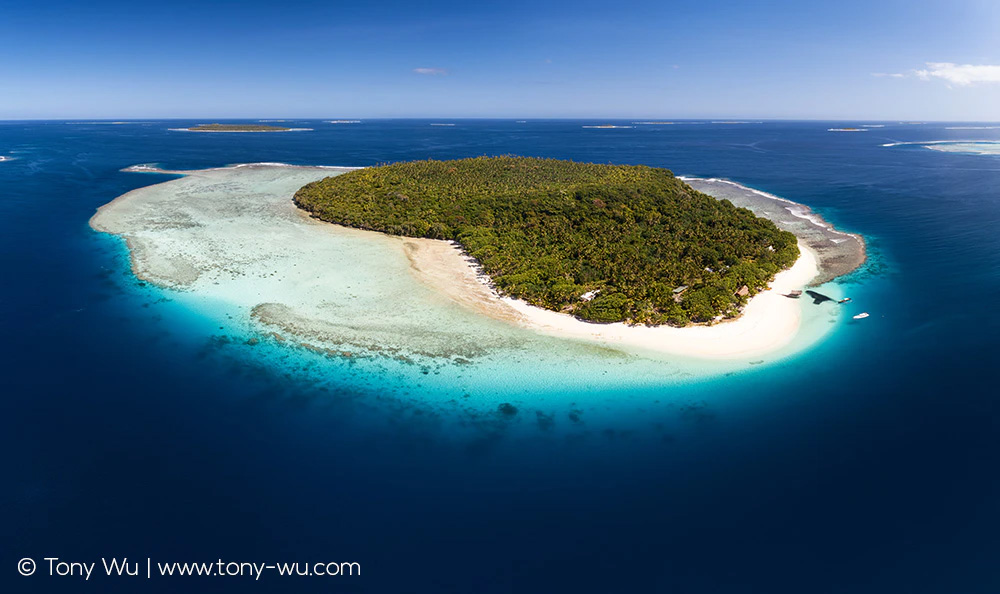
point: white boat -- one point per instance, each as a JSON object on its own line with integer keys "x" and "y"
{"x": 861, "y": 316}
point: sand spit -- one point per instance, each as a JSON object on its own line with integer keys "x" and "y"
{"x": 233, "y": 235}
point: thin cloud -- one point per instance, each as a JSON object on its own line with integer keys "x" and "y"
{"x": 960, "y": 74}
{"x": 431, "y": 71}
{"x": 889, "y": 74}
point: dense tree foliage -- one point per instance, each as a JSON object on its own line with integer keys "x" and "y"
{"x": 550, "y": 231}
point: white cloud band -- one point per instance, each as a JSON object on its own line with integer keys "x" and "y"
{"x": 960, "y": 74}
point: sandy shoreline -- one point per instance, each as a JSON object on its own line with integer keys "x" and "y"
{"x": 769, "y": 321}
{"x": 234, "y": 234}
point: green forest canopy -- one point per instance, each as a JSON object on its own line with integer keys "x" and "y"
{"x": 549, "y": 232}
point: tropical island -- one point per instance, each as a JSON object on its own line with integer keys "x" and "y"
{"x": 237, "y": 128}
{"x": 604, "y": 243}
{"x": 233, "y": 236}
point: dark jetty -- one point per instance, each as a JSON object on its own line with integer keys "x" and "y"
{"x": 818, "y": 297}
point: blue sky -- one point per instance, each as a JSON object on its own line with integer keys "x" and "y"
{"x": 875, "y": 59}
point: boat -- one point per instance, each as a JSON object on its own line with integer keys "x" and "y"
{"x": 844, "y": 300}
{"x": 861, "y": 316}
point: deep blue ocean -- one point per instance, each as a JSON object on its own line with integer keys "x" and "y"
{"x": 870, "y": 463}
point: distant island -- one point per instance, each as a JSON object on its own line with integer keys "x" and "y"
{"x": 237, "y": 128}
{"x": 605, "y": 243}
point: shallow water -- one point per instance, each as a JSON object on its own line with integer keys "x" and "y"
{"x": 229, "y": 243}
{"x": 136, "y": 424}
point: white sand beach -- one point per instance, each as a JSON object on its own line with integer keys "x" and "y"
{"x": 769, "y": 321}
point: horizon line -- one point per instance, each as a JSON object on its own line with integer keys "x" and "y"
{"x": 566, "y": 118}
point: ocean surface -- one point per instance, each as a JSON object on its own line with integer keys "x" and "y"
{"x": 136, "y": 423}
